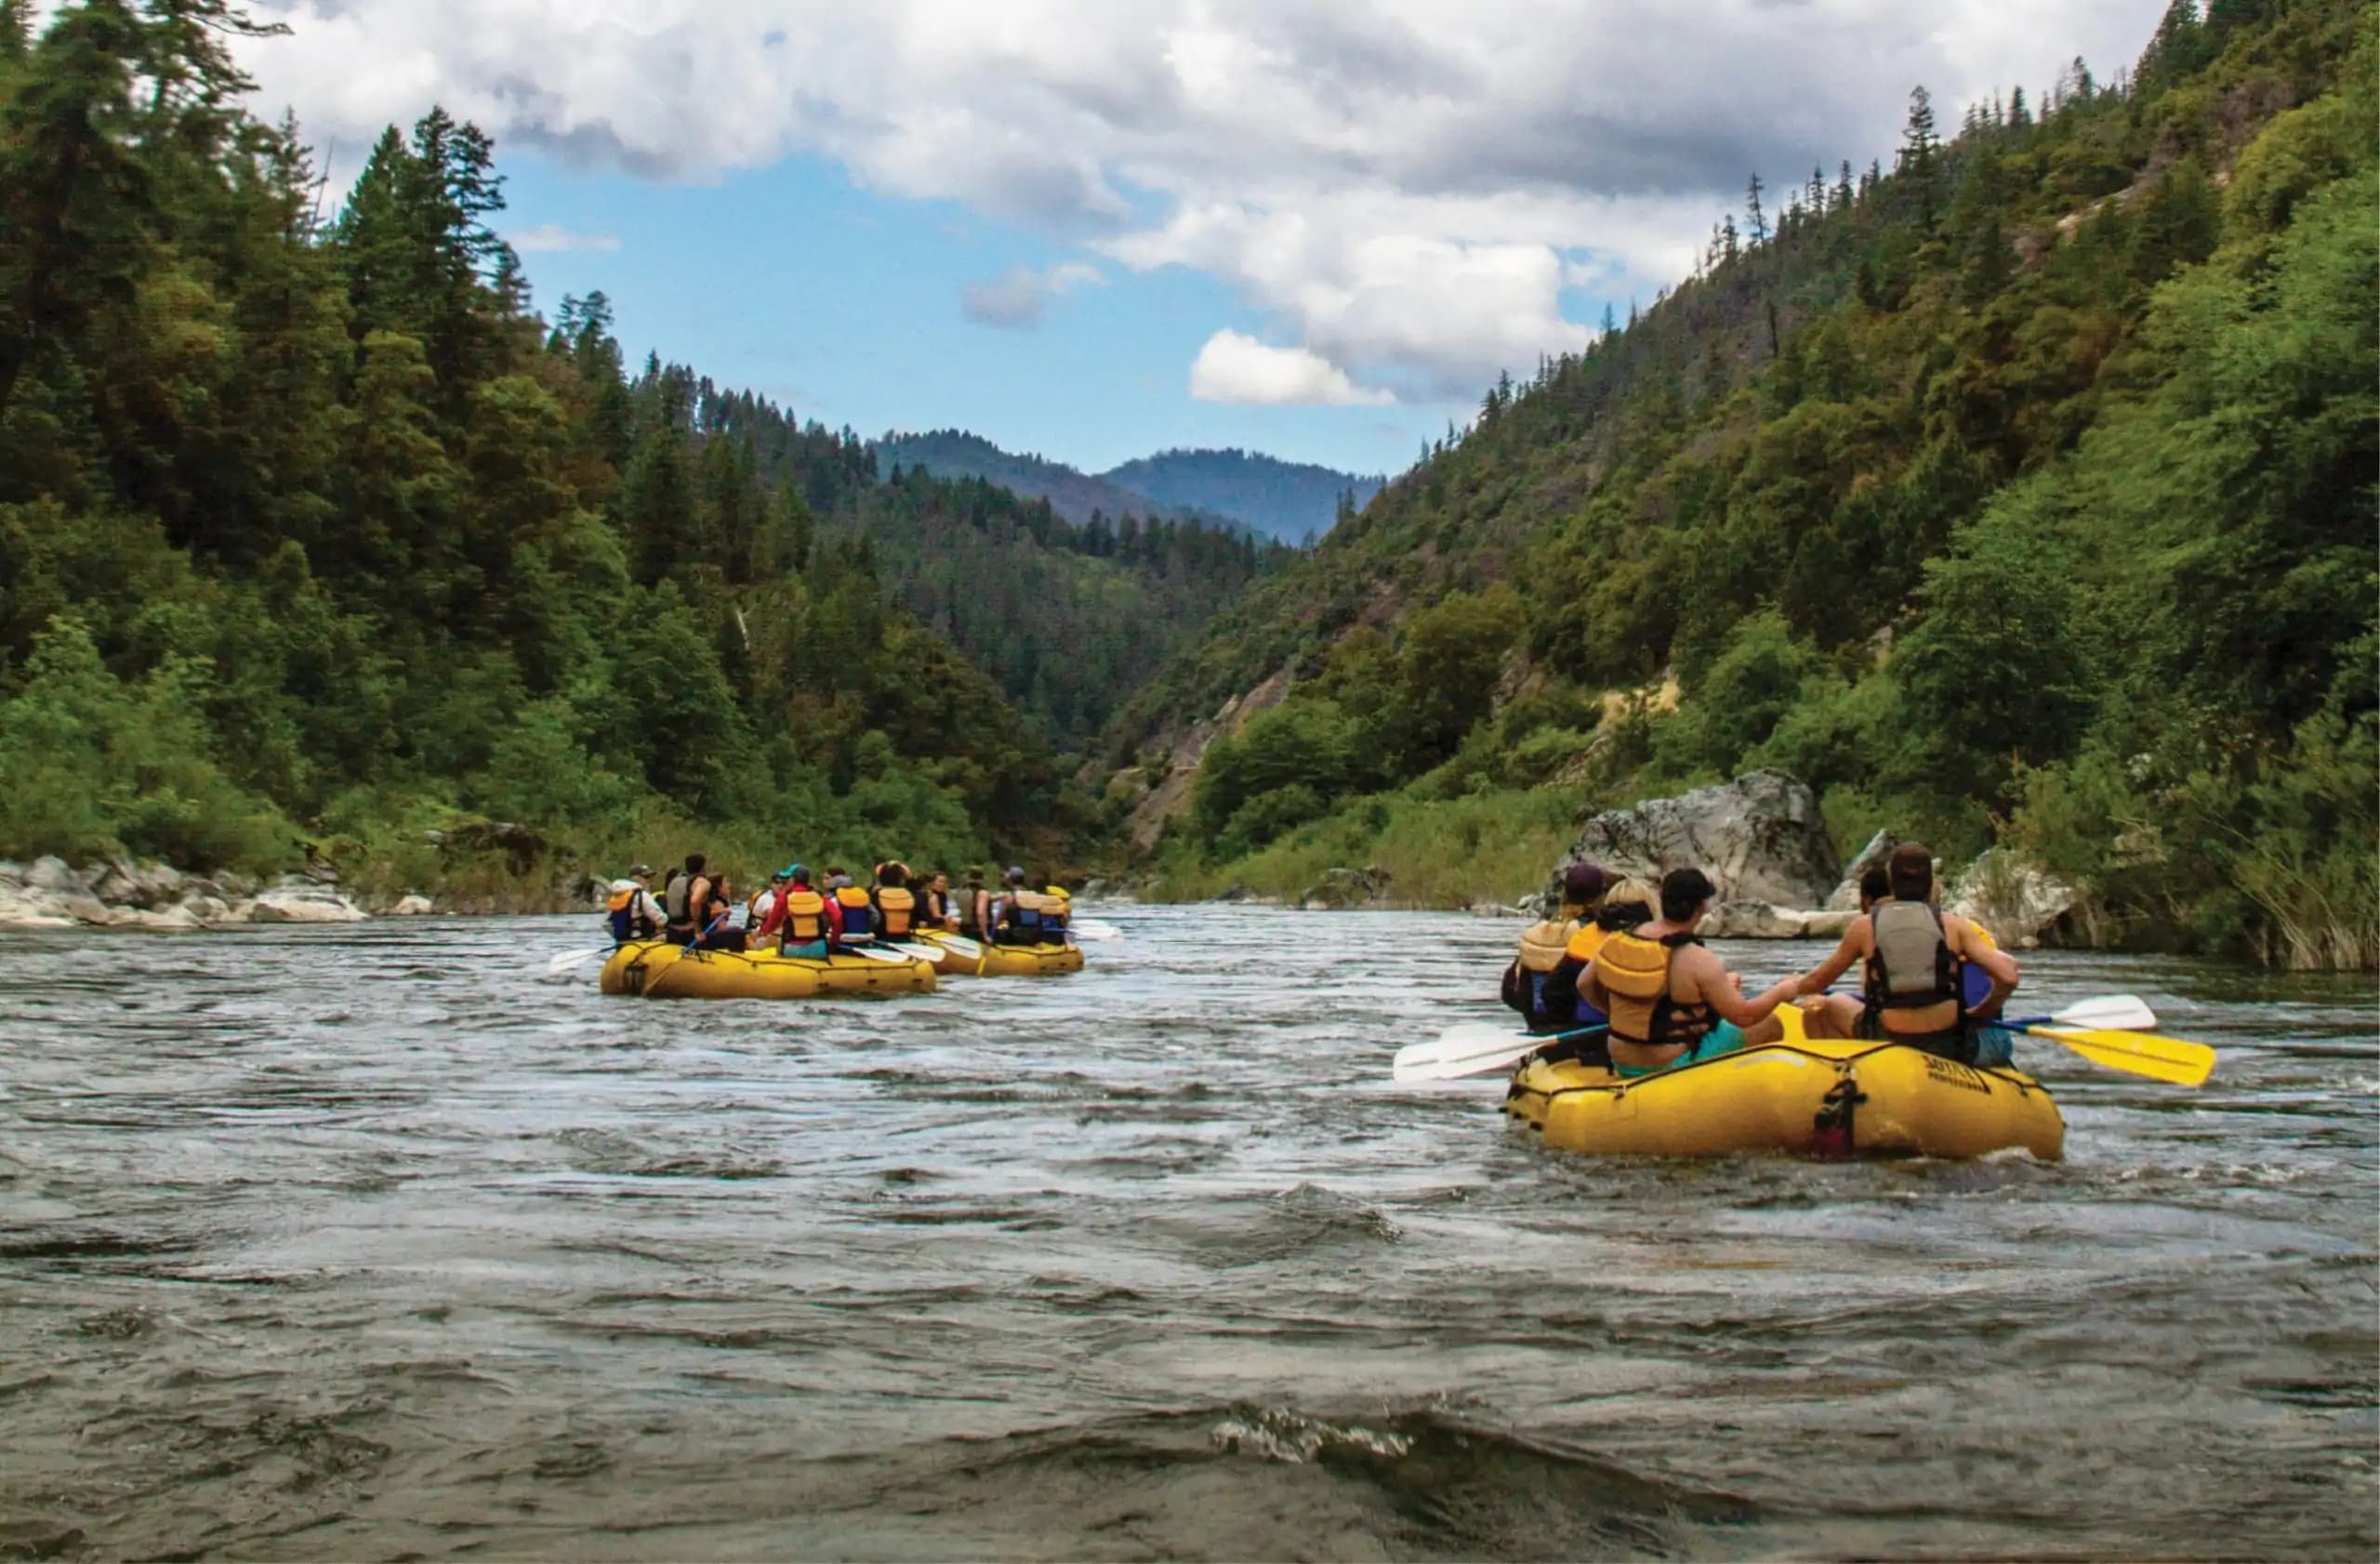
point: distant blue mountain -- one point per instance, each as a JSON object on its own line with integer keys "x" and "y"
{"x": 1288, "y": 500}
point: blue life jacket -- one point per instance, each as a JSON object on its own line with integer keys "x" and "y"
{"x": 859, "y": 913}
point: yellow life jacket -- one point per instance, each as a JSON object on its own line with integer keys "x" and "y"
{"x": 1544, "y": 945}
{"x": 896, "y": 911}
{"x": 621, "y": 901}
{"x": 1634, "y": 973}
{"x": 805, "y": 917}
{"x": 1586, "y": 942}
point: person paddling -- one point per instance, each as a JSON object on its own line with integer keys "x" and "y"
{"x": 631, "y": 913}
{"x": 678, "y": 900}
{"x": 1915, "y": 958}
{"x": 1542, "y": 981}
{"x": 1671, "y": 1002}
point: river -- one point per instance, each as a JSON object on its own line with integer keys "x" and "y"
{"x": 367, "y": 1242}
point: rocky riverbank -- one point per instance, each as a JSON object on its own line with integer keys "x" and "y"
{"x": 156, "y": 897}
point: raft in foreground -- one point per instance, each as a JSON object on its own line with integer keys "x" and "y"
{"x": 659, "y": 970}
{"x": 1797, "y": 1096}
{"x": 1012, "y": 961}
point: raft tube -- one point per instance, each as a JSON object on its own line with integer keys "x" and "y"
{"x": 659, "y": 970}
{"x": 1012, "y": 961}
{"x": 1802, "y": 1097}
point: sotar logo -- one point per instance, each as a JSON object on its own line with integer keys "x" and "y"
{"x": 1950, "y": 1074}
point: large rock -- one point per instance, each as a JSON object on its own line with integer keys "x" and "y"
{"x": 304, "y": 903}
{"x": 1759, "y": 838}
{"x": 2014, "y": 899}
{"x": 51, "y": 874}
{"x": 1340, "y": 888}
{"x": 411, "y": 907}
{"x": 125, "y": 883}
{"x": 22, "y": 907}
{"x": 1753, "y": 920}
{"x": 170, "y": 920}
{"x": 1846, "y": 895}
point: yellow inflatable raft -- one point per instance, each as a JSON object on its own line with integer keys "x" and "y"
{"x": 659, "y": 970}
{"x": 1802, "y": 1097}
{"x": 1012, "y": 961}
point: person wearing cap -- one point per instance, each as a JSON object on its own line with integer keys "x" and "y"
{"x": 756, "y": 912}
{"x": 1671, "y": 1000}
{"x": 1016, "y": 917}
{"x": 1542, "y": 981}
{"x": 804, "y": 923}
{"x": 630, "y": 910}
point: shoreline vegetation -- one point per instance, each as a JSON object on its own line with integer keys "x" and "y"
{"x": 2014, "y": 492}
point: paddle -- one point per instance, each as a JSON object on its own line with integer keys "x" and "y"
{"x": 562, "y": 964}
{"x": 1091, "y": 928}
{"x": 933, "y": 953}
{"x": 1479, "y": 1047}
{"x": 961, "y": 945}
{"x": 2173, "y": 1060}
{"x": 1472, "y": 1049}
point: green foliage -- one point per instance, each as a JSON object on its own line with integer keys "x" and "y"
{"x": 2024, "y": 493}
{"x": 320, "y": 526}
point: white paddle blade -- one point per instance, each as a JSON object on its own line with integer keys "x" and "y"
{"x": 961, "y": 945}
{"x": 2116, "y": 1012}
{"x": 1091, "y": 928}
{"x": 568, "y": 960}
{"x": 933, "y": 953}
{"x": 1468, "y": 1050}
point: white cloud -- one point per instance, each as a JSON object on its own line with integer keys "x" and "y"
{"x": 1019, "y": 298}
{"x": 1402, "y": 188}
{"x": 1235, "y": 368}
{"x": 548, "y": 236}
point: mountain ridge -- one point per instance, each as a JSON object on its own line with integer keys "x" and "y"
{"x": 1289, "y": 502}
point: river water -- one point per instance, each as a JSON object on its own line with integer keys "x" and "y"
{"x": 369, "y": 1243}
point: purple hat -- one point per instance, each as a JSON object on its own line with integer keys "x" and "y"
{"x": 1582, "y": 882}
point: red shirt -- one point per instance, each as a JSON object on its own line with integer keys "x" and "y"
{"x": 775, "y": 920}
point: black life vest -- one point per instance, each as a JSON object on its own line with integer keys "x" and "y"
{"x": 1542, "y": 982}
{"x": 1634, "y": 973}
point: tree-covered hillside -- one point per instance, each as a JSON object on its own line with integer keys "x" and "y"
{"x": 313, "y": 530}
{"x": 2020, "y": 492}
{"x": 1073, "y": 494}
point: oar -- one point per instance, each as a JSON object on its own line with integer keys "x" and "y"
{"x": 892, "y": 953}
{"x": 933, "y": 953}
{"x": 961, "y": 946}
{"x": 1473, "y": 1049}
{"x": 2159, "y": 1058}
{"x": 562, "y": 964}
{"x": 1479, "y": 1047}
{"x": 1091, "y": 928}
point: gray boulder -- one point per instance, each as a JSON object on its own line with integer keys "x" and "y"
{"x": 1759, "y": 838}
{"x": 125, "y": 883}
{"x": 304, "y": 903}
{"x": 2014, "y": 899}
{"x": 411, "y": 907}
{"x": 22, "y": 907}
{"x": 52, "y": 875}
{"x": 1846, "y": 896}
{"x": 1752, "y": 919}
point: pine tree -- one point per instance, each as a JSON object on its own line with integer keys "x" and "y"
{"x": 1920, "y": 157}
{"x": 1755, "y": 220}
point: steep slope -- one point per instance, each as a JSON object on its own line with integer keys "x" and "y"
{"x": 2019, "y": 494}
{"x": 1292, "y": 501}
{"x": 321, "y": 530}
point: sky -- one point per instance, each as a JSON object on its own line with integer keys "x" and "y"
{"x": 1094, "y": 229}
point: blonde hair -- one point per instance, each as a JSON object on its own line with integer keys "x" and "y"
{"x": 1630, "y": 890}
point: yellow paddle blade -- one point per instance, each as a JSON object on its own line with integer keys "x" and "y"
{"x": 2159, "y": 1058}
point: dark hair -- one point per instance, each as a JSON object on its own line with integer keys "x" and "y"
{"x": 1618, "y": 917}
{"x": 693, "y": 863}
{"x": 892, "y": 874}
{"x": 1583, "y": 883}
{"x": 1683, "y": 890}
{"x": 801, "y": 876}
{"x": 1876, "y": 884}
{"x": 1912, "y": 873}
